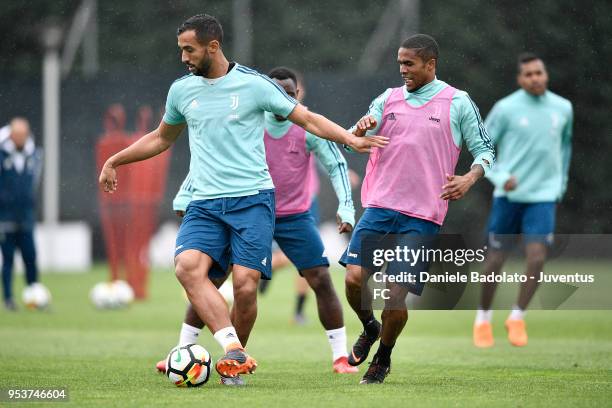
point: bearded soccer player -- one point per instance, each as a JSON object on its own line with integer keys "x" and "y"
{"x": 223, "y": 103}
{"x": 532, "y": 130}
{"x": 407, "y": 185}
{"x": 288, "y": 153}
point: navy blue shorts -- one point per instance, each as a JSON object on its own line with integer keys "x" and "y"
{"x": 535, "y": 221}
{"x": 298, "y": 237}
{"x": 377, "y": 223}
{"x": 231, "y": 230}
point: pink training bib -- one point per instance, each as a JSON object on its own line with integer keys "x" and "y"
{"x": 408, "y": 174}
{"x": 291, "y": 171}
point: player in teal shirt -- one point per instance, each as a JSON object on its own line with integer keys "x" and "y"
{"x": 532, "y": 130}
{"x": 223, "y": 106}
{"x": 295, "y": 230}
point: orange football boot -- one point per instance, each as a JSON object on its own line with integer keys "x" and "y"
{"x": 517, "y": 332}
{"x": 483, "y": 335}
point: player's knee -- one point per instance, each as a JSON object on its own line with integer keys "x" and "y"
{"x": 245, "y": 292}
{"x": 536, "y": 254}
{"x": 353, "y": 277}
{"x": 245, "y": 287}
{"x": 495, "y": 260}
{"x": 185, "y": 269}
{"x": 318, "y": 279}
{"x": 396, "y": 298}
{"x": 396, "y": 315}
{"x": 536, "y": 258}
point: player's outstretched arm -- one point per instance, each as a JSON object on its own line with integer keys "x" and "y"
{"x": 324, "y": 128}
{"x": 151, "y": 144}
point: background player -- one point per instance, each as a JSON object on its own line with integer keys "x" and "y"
{"x": 407, "y": 185}
{"x": 20, "y": 170}
{"x": 279, "y": 259}
{"x": 223, "y": 106}
{"x": 532, "y": 131}
{"x": 288, "y": 152}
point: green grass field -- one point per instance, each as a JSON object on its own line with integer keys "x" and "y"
{"x": 106, "y": 358}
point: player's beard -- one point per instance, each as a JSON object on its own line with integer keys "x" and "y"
{"x": 204, "y": 68}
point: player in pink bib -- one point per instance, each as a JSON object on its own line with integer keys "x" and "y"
{"x": 407, "y": 185}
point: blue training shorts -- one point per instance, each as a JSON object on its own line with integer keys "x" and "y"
{"x": 298, "y": 237}
{"x": 231, "y": 230}
{"x": 377, "y": 223}
{"x": 535, "y": 221}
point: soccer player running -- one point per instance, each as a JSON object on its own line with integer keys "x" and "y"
{"x": 407, "y": 185}
{"x": 223, "y": 106}
{"x": 532, "y": 130}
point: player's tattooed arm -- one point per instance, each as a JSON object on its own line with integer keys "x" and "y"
{"x": 458, "y": 186}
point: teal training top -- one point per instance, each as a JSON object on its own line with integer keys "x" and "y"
{"x": 466, "y": 123}
{"x": 533, "y": 136}
{"x": 326, "y": 152}
{"x": 225, "y": 118}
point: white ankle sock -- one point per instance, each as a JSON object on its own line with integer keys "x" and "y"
{"x": 337, "y": 341}
{"x": 517, "y": 313}
{"x": 226, "y": 337}
{"x": 484, "y": 316}
{"x": 189, "y": 335}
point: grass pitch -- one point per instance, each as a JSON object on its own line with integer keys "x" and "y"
{"x": 106, "y": 358}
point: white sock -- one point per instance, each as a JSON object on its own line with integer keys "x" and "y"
{"x": 517, "y": 313}
{"x": 226, "y": 337}
{"x": 189, "y": 335}
{"x": 337, "y": 341}
{"x": 484, "y": 316}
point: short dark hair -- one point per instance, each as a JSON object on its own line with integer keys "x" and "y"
{"x": 425, "y": 45}
{"x": 524, "y": 58}
{"x": 283, "y": 73}
{"x": 207, "y": 28}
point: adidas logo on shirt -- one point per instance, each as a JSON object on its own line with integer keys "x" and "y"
{"x": 391, "y": 116}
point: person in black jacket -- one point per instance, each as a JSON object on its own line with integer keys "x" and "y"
{"x": 20, "y": 168}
